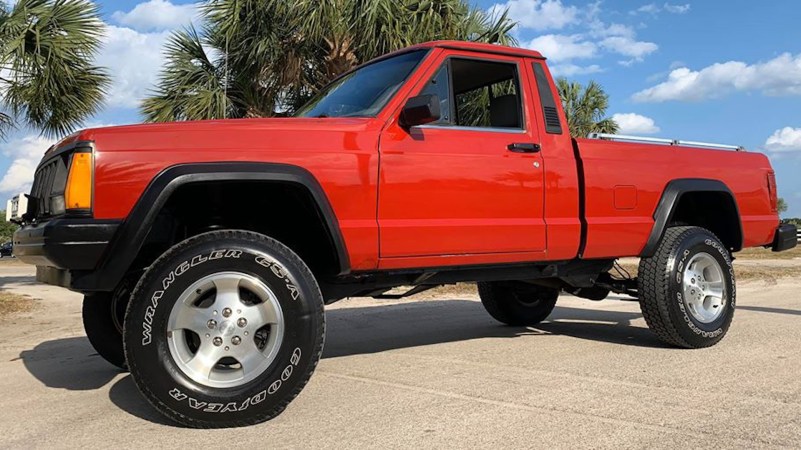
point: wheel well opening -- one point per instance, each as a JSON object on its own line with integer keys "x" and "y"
{"x": 715, "y": 211}
{"x": 282, "y": 210}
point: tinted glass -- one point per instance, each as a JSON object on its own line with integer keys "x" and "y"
{"x": 365, "y": 91}
{"x": 440, "y": 86}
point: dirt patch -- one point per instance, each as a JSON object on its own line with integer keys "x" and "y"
{"x": 14, "y": 304}
{"x": 766, "y": 253}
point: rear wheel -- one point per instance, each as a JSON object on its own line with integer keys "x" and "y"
{"x": 517, "y": 303}
{"x": 687, "y": 289}
{"x": 224, "y": 330}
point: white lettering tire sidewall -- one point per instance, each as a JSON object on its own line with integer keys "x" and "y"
{"x": 160, "y": 379}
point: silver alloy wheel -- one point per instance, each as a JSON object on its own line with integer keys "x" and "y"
{"x": 704, "y": 288}
{"x": 233, "y": 339}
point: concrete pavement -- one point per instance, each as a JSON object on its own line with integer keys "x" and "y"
{"x": 440, "y": 373}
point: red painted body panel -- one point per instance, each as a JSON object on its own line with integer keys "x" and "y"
{"x": 340, "y": 153}
{"x": 442, "y": 197}
{"x": 649, "y": 168}
{"x": 458, "y": 191}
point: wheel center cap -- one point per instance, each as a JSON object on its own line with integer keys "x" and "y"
{"x": 227, "y": 328}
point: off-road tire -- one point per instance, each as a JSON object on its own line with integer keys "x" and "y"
{"x": 516, "y": 303}
{"x": 159, "y": 377}
{"x": 660, "y": 288}
{"x": 103, "y": 316}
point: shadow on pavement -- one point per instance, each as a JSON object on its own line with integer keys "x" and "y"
{"x": 69, "y": 363}
{"x": 72, "y": 363}
{"x": 17, "y": 279}
{"x": 125, "y": 395}
{"x": 765, "y": 309}
{"x": 353, "y": 331}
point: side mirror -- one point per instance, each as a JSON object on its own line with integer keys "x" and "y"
{"x": 420, "y": 110}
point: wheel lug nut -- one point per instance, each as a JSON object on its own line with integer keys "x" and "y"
{"x": 226, "y": 312}
{"x": 217, "y": 341}
{"x": 236, "y": 340}
{"x": 242, "y": 322}
{"x": 212, "y": 324}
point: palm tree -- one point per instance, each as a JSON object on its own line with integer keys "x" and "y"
{"x": 47, "y": 77}
{"x": 259, "y": 58}
{"x": 781, "y": 206}
{"x": 585, "y": 108}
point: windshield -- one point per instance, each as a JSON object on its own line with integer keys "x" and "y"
{"x": 363, "y": 92}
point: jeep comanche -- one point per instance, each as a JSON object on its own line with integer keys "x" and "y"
{"x": 206, "y": 250}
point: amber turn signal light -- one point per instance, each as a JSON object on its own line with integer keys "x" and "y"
{"x": 78, "y": 194}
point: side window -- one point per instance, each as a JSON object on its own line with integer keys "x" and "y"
{"x": 486, "y": 94}
{"x": 440, "y": 86}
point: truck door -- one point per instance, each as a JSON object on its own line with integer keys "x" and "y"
{"x": 472, "y": 182}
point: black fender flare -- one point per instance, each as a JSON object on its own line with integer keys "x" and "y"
{"x": 670, "y": 200}
{"x": 131, "y": 234}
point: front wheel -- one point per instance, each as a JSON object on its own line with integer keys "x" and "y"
{"x": 687, "y": 289}
{"x": 224, "y": 330}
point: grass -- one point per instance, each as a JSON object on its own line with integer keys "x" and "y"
{"x": 14, "y": 304}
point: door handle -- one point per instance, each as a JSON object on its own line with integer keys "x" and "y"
{"x": 524, "y": 147}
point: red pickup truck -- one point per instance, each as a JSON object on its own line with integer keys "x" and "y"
{"x": 206, "y": 250}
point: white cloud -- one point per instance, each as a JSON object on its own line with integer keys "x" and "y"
{"x": 631, "y": 123}
{"x": 627, "y": 46}
{"x": 677, "y": 9}
{"x": 597, "y": 39}
{"x": 650, "y": 8}
{"x": 25, "y": 154}
{"x": 538, "y": 15}
{"x": 569, "y": 70}
{"x": 779, "y": 76}
{"x": 560, "y": 47}
{"x": 654, "y": 9}
{"x": 156, "y": 15}
{"x": 134, "y": 60}
{"x": 785, "y": 140}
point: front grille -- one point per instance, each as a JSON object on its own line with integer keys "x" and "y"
{"x": 47, "y": 193}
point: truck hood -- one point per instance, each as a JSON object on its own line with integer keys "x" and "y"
{"x": 236, "y": 135}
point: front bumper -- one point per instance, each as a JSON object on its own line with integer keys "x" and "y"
{"x": 60, "y": 246}
{"x": 786, "y": 238}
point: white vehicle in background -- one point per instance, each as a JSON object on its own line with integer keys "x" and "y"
{"x": 16, "y": 207}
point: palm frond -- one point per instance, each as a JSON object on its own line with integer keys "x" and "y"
{"x": 48, "y": 49}
{"x": 585, "y": 108}
{"x": 192, "y": 85}
{"x": 278, "y": 53}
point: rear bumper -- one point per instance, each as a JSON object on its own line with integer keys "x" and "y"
{"x": 786, "y": 238}
{"x": 62, "y": 245}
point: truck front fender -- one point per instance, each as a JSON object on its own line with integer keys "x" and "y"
{"x": 132, "y": 233}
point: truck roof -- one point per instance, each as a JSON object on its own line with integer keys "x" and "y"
{"x": 479, "y": 47}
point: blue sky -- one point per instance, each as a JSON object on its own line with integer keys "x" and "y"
{"x": 724, "y": 71}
